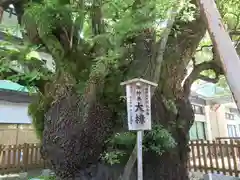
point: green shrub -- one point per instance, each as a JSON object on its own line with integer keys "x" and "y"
{"x": 158, "y": 140}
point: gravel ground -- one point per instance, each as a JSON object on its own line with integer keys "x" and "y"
{"x": 31, "y": 174}
{"x": 35, "y": 173}
{"x": 192, "y": 175}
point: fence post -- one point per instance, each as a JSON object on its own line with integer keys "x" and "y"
{"x": 238, "y": 157}
{"x": 25, "y": 156}
{"x": 1, "y": 154}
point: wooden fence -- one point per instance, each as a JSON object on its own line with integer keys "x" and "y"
{"x": 215, "y": 156}
{"x": 17, "y": 158}
{"x": 205, "y": 156}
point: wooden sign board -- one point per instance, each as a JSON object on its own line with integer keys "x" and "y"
{"x": 138, "y": 93}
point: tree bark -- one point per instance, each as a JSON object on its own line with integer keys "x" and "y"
{"x": 171, "y": 165}
{"x": 73, "y": 146}
{"x": 75, "y": 132}
{"x": 73, "y": 143}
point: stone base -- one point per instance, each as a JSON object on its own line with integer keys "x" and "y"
{"x": 47, "y": 172}
{"x": 196, "y": 176}
{"x": 219, "y": 177}
{"x": 23, "y": 175}
{"x": 202, "y": 176}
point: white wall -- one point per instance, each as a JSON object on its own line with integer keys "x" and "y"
{"x": 236, "y": 120}
{"x": 16, "y": 113}
{"x": 209, "y": 128}
{"x": 219, "y": 122}
{"x": 200, "y": 117}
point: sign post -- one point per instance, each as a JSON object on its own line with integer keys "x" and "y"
{"x": 138, "y": 92}
{"x": 139, "y": 155}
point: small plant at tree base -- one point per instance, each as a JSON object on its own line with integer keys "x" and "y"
{"x": 119, "y": 147}
{"x": 124, "y": 140}
{"x": 113, "y": 157}
{"x": 158, "y": 140}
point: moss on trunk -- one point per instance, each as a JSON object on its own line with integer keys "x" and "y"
{"x": 71, "y": 141}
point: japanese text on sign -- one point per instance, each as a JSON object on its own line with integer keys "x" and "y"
{"x": 138, "y": 106}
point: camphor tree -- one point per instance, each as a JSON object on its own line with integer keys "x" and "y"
{"x": 79, "y": 110}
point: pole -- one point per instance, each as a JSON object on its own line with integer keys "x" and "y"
{"x": 139, "y": 154}
{"x": 224, "y": 46}
{"x": 17, "y": 134}
{"x": 1, "y": 13}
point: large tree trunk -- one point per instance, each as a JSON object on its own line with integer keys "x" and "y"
{"x": 74, "y": 139}
{"x": 73, "y": 147}
{"x": 171, "y": 165}
{"x": 73, "y": 142}
{"x": 77, "y": 126}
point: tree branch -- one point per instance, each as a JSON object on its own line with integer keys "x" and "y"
{"x": 19, "y": 9}
{"x": 205, "y": 46}
{"x": 195, "y": 74}
{"x": 96, "y": 15}
{"x": 101, "y": 68}
{"x": 54, "y": 47}
{"x": 234, "y": 33}
{"x": 208, "y": 79}
{"x": 181, "y": 47}
{"x": 161, "y": 45}
{"x": 144, "y": 43}
{"x": 238, "y": 46}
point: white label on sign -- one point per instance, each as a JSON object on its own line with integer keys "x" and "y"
{"x": 138, "y": 106}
